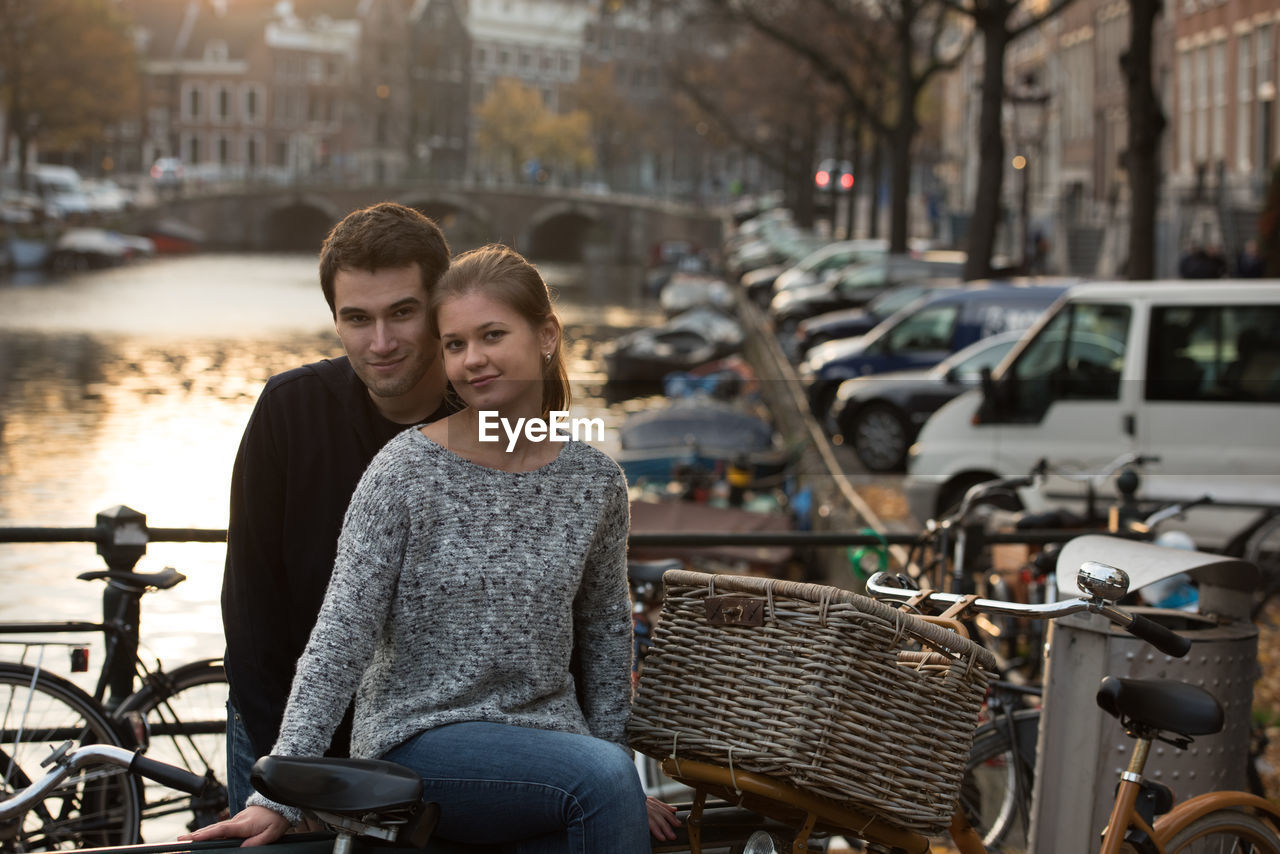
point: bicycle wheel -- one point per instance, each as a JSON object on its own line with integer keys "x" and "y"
{"x": 186, "y": 714}
{"x": 1225, "y": 830}
{"x": 94, "y": 808}
{"x": 995, "y": 791}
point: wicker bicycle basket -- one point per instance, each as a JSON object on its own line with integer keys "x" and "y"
{"x": 838, "y": 694}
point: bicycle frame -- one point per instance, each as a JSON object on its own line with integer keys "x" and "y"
{"x": 113, "y": 633}
{"x": 122, "y": 615}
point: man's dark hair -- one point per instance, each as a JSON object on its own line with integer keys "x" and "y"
{"x": 383, "y": 236}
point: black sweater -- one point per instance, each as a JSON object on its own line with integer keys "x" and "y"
{"x": 309, "y": 439}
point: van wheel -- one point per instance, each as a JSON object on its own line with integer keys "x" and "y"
{"x": 879, "y": 435}
{"x": 950, "y": 496}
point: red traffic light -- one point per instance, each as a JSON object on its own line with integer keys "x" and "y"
{"x": 822, "y": 179}
{"x": 846, "y": 181}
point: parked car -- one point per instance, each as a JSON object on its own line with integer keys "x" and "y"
{"x": 926, "y": 332}
{"x": 879, "y": 416}
{"x": 1196, "y": 385}
{"x": 833, "y": 256}
{"x": 60, "y": 189}
{"x": 851, "y": 322}
{"x": 762, "y": 284}
{"x": 168, "y": 172}
{"x": 855, "y": 286}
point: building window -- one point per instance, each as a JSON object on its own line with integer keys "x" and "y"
{"x": 224, "y": 104}
{"x": 1219, "y": 125}
{"x": 1185, "y": 102}
{"x": 224, "y": 150}
{"x": 193, "y": 149}
{"x": 1244, "y": 95}
{"x": 251, "y": 152}
{"x": 1262, "y": 48}
{"x": 480, "y": 56}
{"x": 192, "y": 103}
{"x": 1202, "y": 104}
{"x": 252, "y": 105}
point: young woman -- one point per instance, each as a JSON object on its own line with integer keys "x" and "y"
{"x": 469, "y": 574}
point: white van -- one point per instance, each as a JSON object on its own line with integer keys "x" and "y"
{"x": 1194, "y": 381}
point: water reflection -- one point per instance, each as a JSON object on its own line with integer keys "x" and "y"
{"x": 133, "y": 385}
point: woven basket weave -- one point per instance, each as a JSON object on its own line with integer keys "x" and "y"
{"x": 838, "y": 694}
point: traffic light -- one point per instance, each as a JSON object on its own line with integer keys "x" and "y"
{"x": 834, "y": 175}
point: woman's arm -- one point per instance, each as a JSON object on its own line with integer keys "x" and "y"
{"x": 602, "y": 620}
{"x": 356, "y": 603}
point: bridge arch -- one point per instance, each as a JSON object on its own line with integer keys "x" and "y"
{"x": 299, "y": 224}
{"x": 564, "y": 231}
{"x": 465, "y": 224}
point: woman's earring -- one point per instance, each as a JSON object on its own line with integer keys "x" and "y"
{"x": 547, "y": 358}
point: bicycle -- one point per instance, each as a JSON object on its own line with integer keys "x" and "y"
{"x": 1150, "y": 709}
{"x": 178, "y": 716}
{"x": 83, "y": 763}
{"x": 361, "y": 804}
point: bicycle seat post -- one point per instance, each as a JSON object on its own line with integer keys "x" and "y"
{"x": 123, "y": 543}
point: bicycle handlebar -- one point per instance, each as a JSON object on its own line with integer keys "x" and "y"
{"x": 1164, "y": 639}
{"x": 67, "y": 761}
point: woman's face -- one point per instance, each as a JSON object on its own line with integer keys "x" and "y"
{"x": 493, "y": 356}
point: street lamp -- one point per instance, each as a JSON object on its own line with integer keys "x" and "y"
{"x": 1029, "y": 101}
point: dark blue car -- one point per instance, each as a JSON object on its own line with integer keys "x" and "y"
{"x": 926, "y": 332}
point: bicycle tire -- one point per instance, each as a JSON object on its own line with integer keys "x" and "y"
{"x": 1224, "y": 830}
{"x": 94, "y": 808}
{"x": 995, "y": 790}
{"x": 186, "y": 714}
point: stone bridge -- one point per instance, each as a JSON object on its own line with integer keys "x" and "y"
{"x": 545, "y": 224}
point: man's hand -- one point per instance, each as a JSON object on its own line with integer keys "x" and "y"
{"x": 255, "y": 825}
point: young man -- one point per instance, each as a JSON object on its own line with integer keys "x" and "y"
{"x": 308, "y": 441}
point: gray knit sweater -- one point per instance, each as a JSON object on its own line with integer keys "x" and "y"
{"x": 459, "y": 594}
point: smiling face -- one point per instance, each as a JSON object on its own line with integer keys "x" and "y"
{"x": 493, "y": 356}
{"x": 381, "y": 318}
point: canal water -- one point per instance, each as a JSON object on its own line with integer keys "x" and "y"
{"x": 133, "y": 385}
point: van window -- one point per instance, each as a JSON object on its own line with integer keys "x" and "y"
{"x": 1215, "y": 353}
{"x": 927, "y": 329}
{"x": 1077, "y": 355}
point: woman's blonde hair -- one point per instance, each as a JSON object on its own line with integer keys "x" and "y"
{"x": 502, "y": 273}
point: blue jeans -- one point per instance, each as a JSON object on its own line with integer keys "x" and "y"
{"x": 240, "y": 761}
{"x": 534, "y": 791}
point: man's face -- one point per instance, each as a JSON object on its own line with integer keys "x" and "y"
{"x": 381, "y": 318}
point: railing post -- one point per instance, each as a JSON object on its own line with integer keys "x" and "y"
{"x": 122, "y": 546}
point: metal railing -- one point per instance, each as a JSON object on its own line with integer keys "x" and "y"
{"x": 121, "y": 535}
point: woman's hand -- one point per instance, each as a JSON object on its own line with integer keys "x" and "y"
{"x": 255, "y": 825}
{"x": 662, "y": 819}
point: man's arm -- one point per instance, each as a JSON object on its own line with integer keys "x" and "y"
{"x": 255, "y": 582}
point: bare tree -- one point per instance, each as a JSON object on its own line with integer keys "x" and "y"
{"x": 1146, "y": 125}
{"x": 846, "y": 41}
{"x": 760, "y": 97}
{"x": 999, "y": 22}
